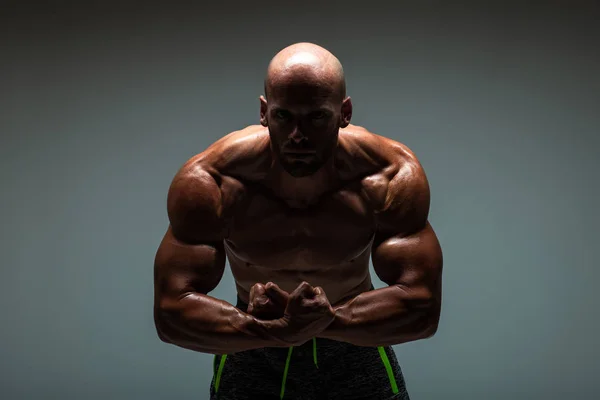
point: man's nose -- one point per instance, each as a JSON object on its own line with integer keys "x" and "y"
{"x": 297, "y": 136}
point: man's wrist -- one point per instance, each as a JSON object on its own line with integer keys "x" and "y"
{"x": 264, "y": 331}
{"x": 341, "y": 320}
{"x": 277, "y": 331}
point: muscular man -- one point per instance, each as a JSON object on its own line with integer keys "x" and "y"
{"x": 298, "y": 205}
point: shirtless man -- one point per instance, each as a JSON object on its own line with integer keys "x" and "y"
{"x": 298, "y": 205}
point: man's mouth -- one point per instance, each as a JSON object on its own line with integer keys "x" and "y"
{"x": 299, "y": 152}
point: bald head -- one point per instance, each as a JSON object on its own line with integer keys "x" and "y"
{"x": 304, "y": 106}
{"x": 306, "y": 64}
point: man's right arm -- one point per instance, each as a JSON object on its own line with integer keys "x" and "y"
{"x": 189, "y": 264}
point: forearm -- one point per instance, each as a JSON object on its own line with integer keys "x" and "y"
{"x": 382, "y": 317}
{"x": 202, "y": 323}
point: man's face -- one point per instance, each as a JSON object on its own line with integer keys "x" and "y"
{"x": 303, "y": 122}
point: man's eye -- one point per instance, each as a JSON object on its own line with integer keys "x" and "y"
{"x": 281, "y": 115}
{"x": 318, "y": 115}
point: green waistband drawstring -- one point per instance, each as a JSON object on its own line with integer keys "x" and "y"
{"x": 285, "y": 372}
{"x": 315, "y": 352}
{"x": 287, "y": 365}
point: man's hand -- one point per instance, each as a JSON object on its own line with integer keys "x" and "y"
{"x": 291, "y": 318}
{"x": 307, "y": 314}
{"x": 267, "y": 302}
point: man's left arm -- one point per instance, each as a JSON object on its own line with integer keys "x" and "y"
{"x": 406, "y": 256}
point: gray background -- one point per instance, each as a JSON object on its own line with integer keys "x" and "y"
{"x": 102, "y": 104}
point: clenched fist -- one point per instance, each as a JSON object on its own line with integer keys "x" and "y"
{"x": 267, "y": 301}
{"x": 307, "y": 314}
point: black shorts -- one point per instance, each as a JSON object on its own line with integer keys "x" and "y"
{"x": 320, "y": 369}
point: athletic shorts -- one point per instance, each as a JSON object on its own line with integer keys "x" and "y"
{"x": 320, "y": 369}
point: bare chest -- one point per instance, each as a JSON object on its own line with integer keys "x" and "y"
{"x": 266, "y": 232}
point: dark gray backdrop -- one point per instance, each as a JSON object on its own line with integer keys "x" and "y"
{"x": 101, "y": 105}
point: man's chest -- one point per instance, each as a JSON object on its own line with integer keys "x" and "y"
{"x": 266, "y": 230}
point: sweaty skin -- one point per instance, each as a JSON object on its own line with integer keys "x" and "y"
{"x": 301, "y": 202}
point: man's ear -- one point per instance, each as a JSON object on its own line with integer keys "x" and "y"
{"x": 263, "y": 111}
{"x": 346, "y": 112}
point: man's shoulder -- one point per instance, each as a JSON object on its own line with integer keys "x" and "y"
{"x": 393, "y": 171}
{"x": 383, "y": 155}
{"x": 240, "y": 153}
{"x": 197, "y": 190}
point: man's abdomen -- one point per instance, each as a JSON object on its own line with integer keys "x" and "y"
{"x": 340, "y": 282}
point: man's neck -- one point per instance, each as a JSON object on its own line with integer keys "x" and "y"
{"x": 303, "y": 191}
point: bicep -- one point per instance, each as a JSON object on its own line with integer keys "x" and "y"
{"x": 406, "y": 250}
{"x": 191, "y": 256}
{"x": 414, "y": 262}
{"x": 181, "y": 268}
